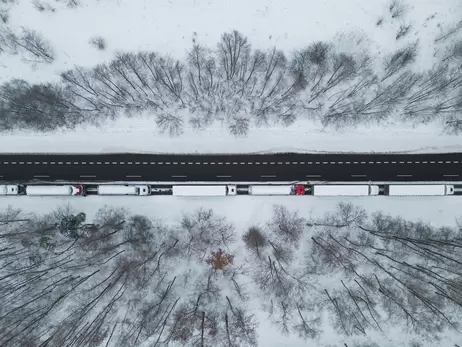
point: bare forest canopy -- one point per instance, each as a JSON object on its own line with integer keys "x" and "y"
{"x": 123, "y": 279}
{"x": 240, "y": 87}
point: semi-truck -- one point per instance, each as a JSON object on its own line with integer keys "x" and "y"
{"x": 54, "y": 190}
{"x": 276, "y": 189}
{"x": 198, "y": 190}
{"x": 9, "y": 189}
{"x": 126, "y": 189}
{"x": 345, "y": 190}
{"x": 419, "y": 189}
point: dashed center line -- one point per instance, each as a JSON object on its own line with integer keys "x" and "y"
{"x": 268, "y": 176}
{"x": 403, "y": 175}
{"x": 223, "y": 176}
{"x": 87, "y": 176}
{"x": 358, "y": 175}
{"x": 179, "y": 176}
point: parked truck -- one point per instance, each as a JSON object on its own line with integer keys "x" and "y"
{"x": 123, "y": 189}
{"x": 54, "y": 190}
{"x": 345, "y": 190}
{"x": 276, "y": 189}
{"x": 9, "y": 189}
{"x": 419, "y": 189}
{"x": 198, "y": 190}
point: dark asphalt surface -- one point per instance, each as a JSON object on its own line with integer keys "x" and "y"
{"x": 278, "y": 167}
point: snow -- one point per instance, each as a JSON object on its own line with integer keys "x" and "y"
{"x": 169, "y": 27}
{"x": 244, "y": 211}
{"x": 141, "y": 136}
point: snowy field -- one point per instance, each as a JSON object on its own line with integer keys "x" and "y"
{"x": 137, "y": 135}
{"x": 245, "y": 211}
{"x": 171, "y": 27}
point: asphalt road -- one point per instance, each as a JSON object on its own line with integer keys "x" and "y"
{"x": 279, "y": 167}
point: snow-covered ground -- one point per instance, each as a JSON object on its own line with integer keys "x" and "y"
{"x": 141, "y": 136}
{"x": 169, "y": 27}
{"x": 244, "y": 211}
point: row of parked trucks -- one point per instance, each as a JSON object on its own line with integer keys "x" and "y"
{"x": 223, "y": 190}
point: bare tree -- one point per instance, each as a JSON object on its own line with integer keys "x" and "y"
{"x": 287, "y": 225}
{"x": 399, "y": 60}
{"x": 98, "y": 42}
{"x": 172, "y": 124}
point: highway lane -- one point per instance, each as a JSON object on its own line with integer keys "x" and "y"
{"x": 274, "y": 167}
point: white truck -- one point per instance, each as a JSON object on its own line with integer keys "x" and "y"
{"x": 345, "y": 190}
{"x": 419, "y": 189}
{"x": 197, "y": 190}
{"x": 51, "y": 190}
{"x": 123, "y": 189}
{"x": 272, "y": 190}
{"x": 9, "y": 189}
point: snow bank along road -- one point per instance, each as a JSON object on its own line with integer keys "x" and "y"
{"x": 273, "y": 167}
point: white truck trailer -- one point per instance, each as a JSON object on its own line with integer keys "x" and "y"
{"x": 419, "y": 189}
{"x": 9, "y": 189}
{"x": 197, "y": 190}
{"x": 271, "y": 190}
{"x": 345, "y": 190}
{"x": 52, "y": 190}
{"x": 123, "y": 189}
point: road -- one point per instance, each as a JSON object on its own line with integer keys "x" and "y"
{"x": 277, "y": 167}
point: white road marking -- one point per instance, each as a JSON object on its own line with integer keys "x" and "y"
{"x": 363, "y": 162}
{"x": 272, "y": 162}
{"x": 91, "y": 163}
{"x": 332, "y": 162}
{"x": 424, "y": 162}
{"x": 205, "y": 163}
{"x": 183, "y": 163}
{"x": 84, "y": 162}
{"x": 98, "y": 162}
{"x": 133, "y": 176}
{"x": 358, "y": 175}
{"x": 417, "y": 162}
{"x": 106, "y": 162}
{"x": 60, "y": 163}
{"x": 348, "y": 162}
{"x": 36, "y": 163}
{"x": 5, "y": 162}
{"x": 355, "y": 162}
{"x": 265, "y": 162}
{"x": 403, "y": 175}
{"x": 21, "y": 162}
{"x": 175, "y": 163}
{"x": 310, "y": 162}
{"x": 325, "y": 162}
{"x": 121, "y": 163}
{"x": 198, "y": 163}
{"x": 318, "y": 162}
{"x": 456, "y": 162}
{"x": 45, "y": 162}
{"x": 130, "y": 163}
{"x": 294, "y": 162}
{"x": 432, "y": 162}
{"x": 385, "y": 162}
{"x": 312, "y": 175}
{"x": 451, "y": 175}
{"x": 242, "y": 163}
{"x": 287, "y": 162}
{"x": 220, "y": 163}
{"x": 168, "y": 163}
{"x": 234, "y": 163}
{"x": 393, "y": 162}
{"x": 401, "y": 162}
{"x": 302, "y": 163}
{"x": 190, "y": 163}
{"x": 258, "y": 163}
{"x": 29, "y": 163}
{"x": 223, "y": 176}
{"x": 340, "y": 162}
{"x": 41, "y": 176}
{"x": 227, "y": 163}
{"x": 268, "y": 176}
{"x": 87, "y": 176}
{"x": 280, "y": 162}
{"x": 179, "y": 176}
{"x": 138, "y": 163}
{"x": 448, "y": 162}
{"x": 114, "y": 163}
{"x": 371, "y": 162}
{"x": 213, "y": 163}
{"x": 378, "y": 162}
{"x": 145, "y": 162}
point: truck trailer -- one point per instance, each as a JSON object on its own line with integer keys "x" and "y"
{"x": 345, "y": 190}
{"x": 123, "y": 189}
{"x": 272, "y": 190}
{"x": 52, "y": 190}
{"x": 419, "y": 189}
{"x": 189, "y": 190}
